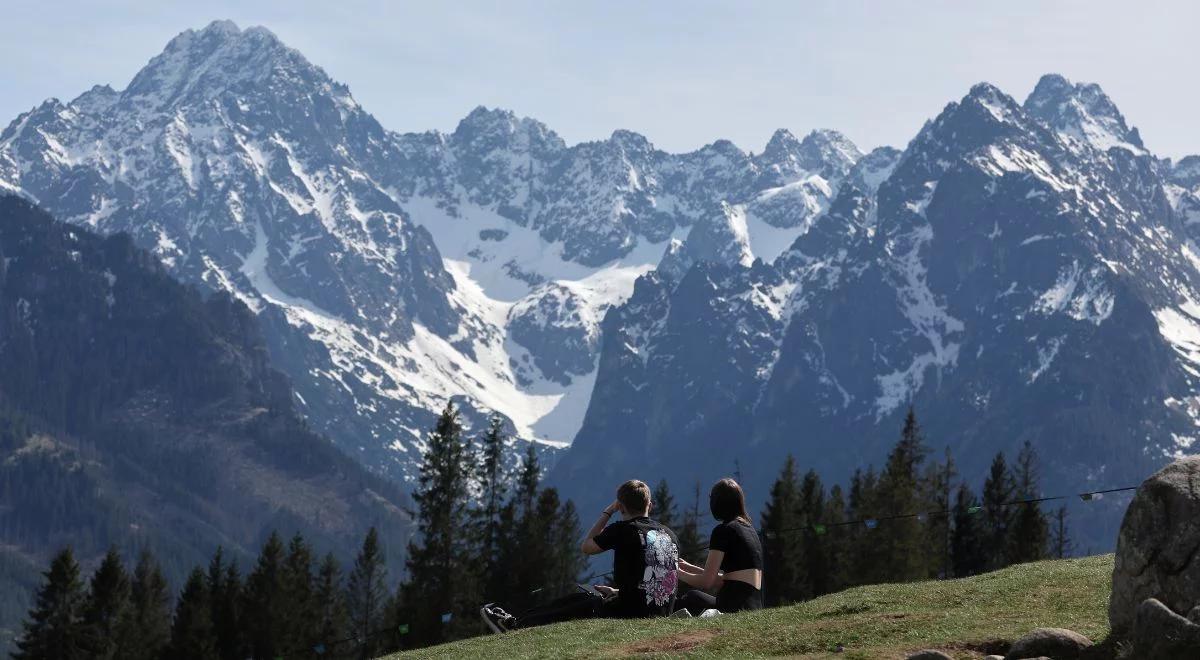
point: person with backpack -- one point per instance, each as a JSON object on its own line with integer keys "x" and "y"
{"x": 734, "y": 567}
{"x": 645, "y": 562}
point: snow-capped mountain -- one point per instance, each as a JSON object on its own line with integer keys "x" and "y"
{"x": 392, "y": 272}
{"x": 1019, "y": 272}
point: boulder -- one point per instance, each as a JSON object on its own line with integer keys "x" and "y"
{"x": 930, "y": 654}
{"x": 1159, "y": 538}
{"x": 1057, "y": 643}
{"x": 1162, "y": 634}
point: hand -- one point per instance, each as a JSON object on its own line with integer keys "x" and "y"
{"x": 613, "y": 508}
{"x": 605, "y": 590}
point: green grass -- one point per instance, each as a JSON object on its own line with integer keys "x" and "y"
{"x": 962, "y": 617}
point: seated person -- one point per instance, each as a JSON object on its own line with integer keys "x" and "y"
{"x": 735, "y": 558}
{"x": 645, "y": 555}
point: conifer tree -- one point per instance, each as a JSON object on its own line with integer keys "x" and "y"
{"x": 865, "y": 554}
{"x": 663, "y": 505}
{"x": 938, "y": 501}
{"x": 528, "y": 479}
{"x": 55, "y": 628}
{"x": 1061, "y": 546}
{"x": 329, "y": 606}
{"x": 491, "y": 484}
{"x": 107, "y": 607}
{"x": 568, "y": 561}
{"x": 814, "y": 578}
{"x": 783, "y": 569}
{"x": 192, "y": 634}
{"x": 834, "y": 536}
{"x": 298, "y": 615}
{"x": 1030, "y": 529}
{"x": 442, "y": 578}
{"x": 998, "y": 491}
{"x": 901, "y": 541}
{"x": 225, "y": 595}
{"x": 690, "y": 540}
{"x": 264, "y": 604}
{"x": 367, "y": 594}
{"x": 150, "y": 625}
{"x": 967, "y": 538}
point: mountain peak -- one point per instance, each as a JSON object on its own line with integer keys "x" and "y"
{"x": 1081, "y": 112}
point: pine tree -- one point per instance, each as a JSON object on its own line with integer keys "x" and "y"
{"x": 998, "y": 491}
{"x": 783, "y": 571}
{"x": 329, "y": 606}
{"x": 967, "y": 555}
{"x": 836, "y": 540}
{"x": 564, "y": 544}
{"x": 225, "y": 595}
{"x": 263, "y": 602}
{"x": 528, "y": 479}
{"x": 366, "y": 595}
{"x": 938, "y": 500}
{"x": 298, "y": 615}
{"x": 107, "y": 607}
{"x": 150, "y": 625}
{"x": 814, "y": 579}
{"x": 1030, "y": 529}
{"x": 442, "y": 579}
{"x": 664, "y": 505}
{"x": 1061, "y": 546}
{"x": 55, "y": 628}
{"x": 901, "y": 541}
{"x": 192, "y": 635}
{"x": 865, "y": 555}
{"x": 690, "y": 541}
{"x": 491, "y": 484}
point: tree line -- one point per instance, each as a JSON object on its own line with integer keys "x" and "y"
{"x": 913, "y": 520}
{"x": 484, "y": 532}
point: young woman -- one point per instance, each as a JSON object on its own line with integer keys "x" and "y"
{"x": 735, "y": 559}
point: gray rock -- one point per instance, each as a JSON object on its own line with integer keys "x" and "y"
{"x": 993, "y": 657}
{"x": 1194, "y": 615}
{"x": 1059, "y": 643}
{"x": 1159, "y": 538}
{"x": 930, "y": 654}
{"x": 1164, "y": 635}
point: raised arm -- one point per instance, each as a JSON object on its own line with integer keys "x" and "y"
{"x": 589, "y": 545}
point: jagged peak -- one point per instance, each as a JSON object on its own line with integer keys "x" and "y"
{"x": 1081, "y": 111}
{"x": 631, "y": 141}
{"x": 492, "y": 124}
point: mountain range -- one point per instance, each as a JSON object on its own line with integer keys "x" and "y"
{"x": 1018, "y": 271}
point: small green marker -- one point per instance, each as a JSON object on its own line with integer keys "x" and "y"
{"x": 402, "y": 629}
{"x": 974, "y": 510}
{"x": 819, "y": 529}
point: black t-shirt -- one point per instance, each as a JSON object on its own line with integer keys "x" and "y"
{"x": 740, "y": 543}
{"x": 645, "y": 554}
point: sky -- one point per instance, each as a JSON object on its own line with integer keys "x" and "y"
{"x": 683, "y": 73}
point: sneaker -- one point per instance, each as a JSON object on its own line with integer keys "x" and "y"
{"x": 681, "y": 613}
{"x": 496, "y": 619}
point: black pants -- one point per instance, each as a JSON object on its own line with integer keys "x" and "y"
{"x": 568, "y": 608}
{"x": 734, "y": 596}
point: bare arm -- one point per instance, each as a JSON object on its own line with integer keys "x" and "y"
{"x": 709, "y": 577}
{"x": 688, "y": 567}
{"x": 589, "y": 546}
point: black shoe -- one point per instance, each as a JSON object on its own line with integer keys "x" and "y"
{"x": 496, "y": 619}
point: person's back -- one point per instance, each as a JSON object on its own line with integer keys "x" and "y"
{"x": 645, "y": 554}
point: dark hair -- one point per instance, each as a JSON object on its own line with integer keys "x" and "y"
{"x": 727, "y": 501}
{"x": 634, "y": 495}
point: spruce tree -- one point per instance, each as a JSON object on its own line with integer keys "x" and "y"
{"x": 664, "y": 505}
{"x": 902, "y": 541}
{"x": 442, "y": 578}
{"x": 55, "y": 628}
{"x": 329, "y": 606}
{"x": 814, "y": 578}
{"x": 298, "y": 614}
{"x": 491, "y": 484}
{"x": 225, "y": 595}
{"x": 967, "y": 553}
{"x": 564, "y": 546}
{"x": 998, "y": 491}
{"x": 783, "y": 570}
{"x": 192, "y": 634}
{"x": 690, "y": 540}
{"x": 836, "y": 539}
{"x": 264, "y": 605}
{"x": 865, "y": 554}
{"x": 1061, "y": 546}
{"x": 1030, "y": 529}
{"x": 150, "y": 625}
{"x": 938, "y": 500}
{"x": 107, "y": 607}
{"x": 366, "y": 595}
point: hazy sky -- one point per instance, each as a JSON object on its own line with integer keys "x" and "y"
{"x": 682, "y": 73}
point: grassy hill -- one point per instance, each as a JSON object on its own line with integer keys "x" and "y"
{"x": 966, "y": 618}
